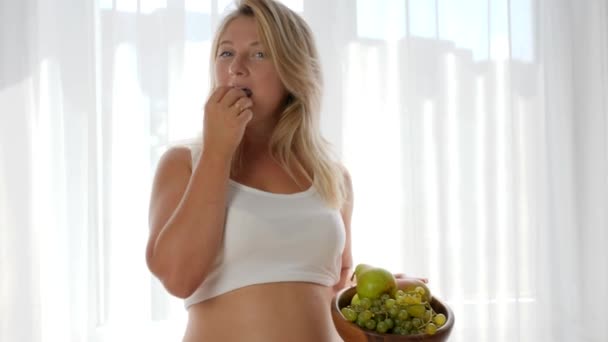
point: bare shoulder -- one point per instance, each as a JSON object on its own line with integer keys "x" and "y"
{"x": 348, "y": 190}
{"x": 170, "y": 182}
{"x": 347, "y": 177}
{"x": 348, "y": 183}
{"x": 175, "y": 157}
{"x": 172, "y": 175}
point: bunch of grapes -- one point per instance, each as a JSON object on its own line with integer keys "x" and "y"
{"x": 405, "y": 313}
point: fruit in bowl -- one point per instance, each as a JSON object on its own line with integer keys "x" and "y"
{"x": 372, "y": 282}
{"x": 382, "y": 308}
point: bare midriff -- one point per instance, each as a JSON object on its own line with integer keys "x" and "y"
{"x": 274, "y": 312}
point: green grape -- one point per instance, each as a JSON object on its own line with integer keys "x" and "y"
{"x": 439, "y": 319}
{"x": 409, "y": 299}
{"x": 400, "y": 313}
{"x": 428, "y": 315}
{"x": 431, "y": 329}
{"x": 349, "y": 314}
{"x": 365, "y": 303}
{"x": 389, "y": 323}
{"x": 389, "y": 303}
{"x": 408, "y": 325}
{"x": 381, "y": 327}
{"x": 366, "y": 315}
{"x": 380, "y": 316}
{"x": 360, "y": 321}
{"x": 416, "y": 310}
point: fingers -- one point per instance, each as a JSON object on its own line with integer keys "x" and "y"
{"x": 403, "y": 276}
{"x": 241, "y": 104}
{"x": 245, "y": 116}
{"x": 227, "y": 113}
{"x": 232, "y": 96}
{"x": 218, "y": 94}
{"x": 227, "y": 95}
{"x": 229, "y": 100}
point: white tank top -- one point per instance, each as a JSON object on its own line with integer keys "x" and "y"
{"x": 272, "y": 237}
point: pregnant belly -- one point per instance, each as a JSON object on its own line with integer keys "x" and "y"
{"x": 286, "y": 311}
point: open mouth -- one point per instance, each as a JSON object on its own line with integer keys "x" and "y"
{"x": 247, "y": 91}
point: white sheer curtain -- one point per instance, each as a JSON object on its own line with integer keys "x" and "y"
{"x": 475, "y": 131}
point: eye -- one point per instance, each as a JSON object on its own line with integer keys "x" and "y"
{"x": 225, "y": 54}
{"x": 259, "y": 55}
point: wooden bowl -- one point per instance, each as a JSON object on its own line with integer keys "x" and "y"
{"x": 350, "y": 332}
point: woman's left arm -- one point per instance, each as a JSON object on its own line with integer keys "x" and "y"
{"x": 347, "y": 257}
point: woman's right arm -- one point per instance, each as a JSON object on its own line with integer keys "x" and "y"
{"x": 187, "y": 210}
{"x": 188, "y": 202}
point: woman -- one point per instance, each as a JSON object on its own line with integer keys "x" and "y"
{"x": 252, "y": 227}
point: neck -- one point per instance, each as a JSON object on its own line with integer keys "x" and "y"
{"x": 257, "y": 136}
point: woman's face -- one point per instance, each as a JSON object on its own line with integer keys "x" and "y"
{"x": 242, "y": 61}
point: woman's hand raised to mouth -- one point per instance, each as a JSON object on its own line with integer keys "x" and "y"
{"x": 227, "y": 113}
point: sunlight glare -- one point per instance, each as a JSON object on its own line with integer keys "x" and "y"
{"x": 126, "y": 6}
{"x": 453, "y": 183}
{"x": 130, "y": 177}
{"x": 198, "y": 6}
{"x": 502, "y": 196}
{"x": 431, "y": 190}
{"x": 150, "y": 6}
{"x": 49, "y": 187}
{"x": 295, "y": 5}
{"x": 371, "y": 145}
{"x": 480, "y": 205}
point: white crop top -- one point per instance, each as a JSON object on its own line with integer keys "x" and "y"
{"x": 272, "y": 237}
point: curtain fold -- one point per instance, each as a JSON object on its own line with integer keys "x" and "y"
{"x": 476, "y": 136}
{"x": 48, "y": 101}
{"x": 558, "y": 237}
{"x": 590, "y": 86}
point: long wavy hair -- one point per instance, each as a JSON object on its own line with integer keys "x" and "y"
{"x": 296, "y": 140}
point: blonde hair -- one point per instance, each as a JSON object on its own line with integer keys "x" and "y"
{"x": 296, "y": 139}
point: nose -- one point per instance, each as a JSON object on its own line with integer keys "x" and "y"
{"x": 238, "y": 67}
